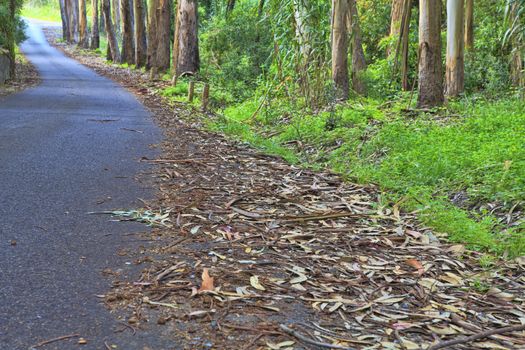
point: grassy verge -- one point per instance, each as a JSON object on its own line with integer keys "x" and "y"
{"x": 474, "y": 150}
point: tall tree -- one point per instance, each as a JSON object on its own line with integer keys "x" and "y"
{"x": 340, "y": 13}
{"x": 72, "y": 15}
{"x": 358, "y": 54}
{"x": 469, "y": 24}
{"x": 83, "y": 30}
{"x": 110, "y": 31}
{"x": 405, "y": 32}
{"x": 430, "y": 83}
{"x": 11, "y": 41}
{"x": 95, "y": 34}
{"x": 65, "y": 20}
{"x": 230, "y": 5}
{"x": 396, "y": 14}
{"x": 152, "y": 35}
{"x": 128, "y": 51}
{"x": 186, "y": 41}
{"x": 455, "y": 71}
{"x": 163, "y": 35}
{"x": 140, "y": 33}
{"x": 515, "y": 35}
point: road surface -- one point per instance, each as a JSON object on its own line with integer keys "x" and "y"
{"x": 58, "y": 161}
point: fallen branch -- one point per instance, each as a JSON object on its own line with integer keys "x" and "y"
{"x": 45, "y": 342}
{"x": 305, "y": 339}
{"x": 480, "y": 335}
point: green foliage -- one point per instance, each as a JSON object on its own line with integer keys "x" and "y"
{"x": 9, "y": 26}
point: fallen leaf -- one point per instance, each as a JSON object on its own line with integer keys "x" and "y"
{"x": 207, "y": 281}
{"x": 254, "y": 281}
{"x": 416, "y": 264}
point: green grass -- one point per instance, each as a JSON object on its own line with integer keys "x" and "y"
{"x": 476, "y": 148}
{"x": 49, "y": 13}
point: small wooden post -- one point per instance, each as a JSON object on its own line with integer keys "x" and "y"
{"x": 205, "y": 96}
{"x": 191, "y": 90}
{"x": 153, "y": 73}
{"x": 174, "y": 80}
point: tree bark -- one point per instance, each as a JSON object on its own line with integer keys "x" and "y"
{"x": 140, "y": 34}
{"x": 110, "y": 32}
{"x": 186, "y": 41}
{"x": 405, "y": 34}
{"x": 72, "y": 15}
{"x": 95, "y": 34}
{"x": 396, "y": 15}
{"x": 83, "y": 30}
{"x": 128, "y": 50}
{"x": 516, "y": 62}
{"x": 469, "y": 24}
{"x": 152, "y": 34}
{"x": 340, "y": 13}
{"x": 115, "y": 11}
{"x": 230, "y": 5}
{"x": 430, "y": 85}
{"x": 455, "y": 72}
{"x": 11, "y": 41}
{"x": 163, "y": 35}
{"x": 65, "y": 21}
{"x": 358, "y": 54}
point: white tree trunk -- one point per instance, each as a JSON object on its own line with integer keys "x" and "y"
{"x": 455, "y": 80}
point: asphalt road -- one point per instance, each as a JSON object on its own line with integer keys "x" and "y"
{"x": 56, "y": 163}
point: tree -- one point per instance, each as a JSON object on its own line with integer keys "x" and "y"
{"x": 65, "y": 20}
{"x": 110, "y": 31}
{"x": 455, "y": 68}
{"x": 186, "y": 41}
{"x": 469, "y": 24}
{"x": 396, "y": 15}
{"x": 128, "y": 50}
{"x": 430, "y": 83}
{"x": 152, "y": 35}
{"x": 83, "y": 30}
{"x": 95, "y": 35}
{"x": 163, "y": 35}
{"x": 72, "y": 16}
{"x": 358, "y": 54}
{"x": 140, "y": 34}
{"x": 230, "y": 5}
{"x": 340, "y": 11}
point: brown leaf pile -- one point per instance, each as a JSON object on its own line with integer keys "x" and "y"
{"x": 301, "y": 259}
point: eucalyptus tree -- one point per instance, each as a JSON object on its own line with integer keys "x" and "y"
{"x": 186, "y": 41}
{"x": 151, "y": 59}
{"x": 128, "y": 50}
{"x": 430, "y": 82}
{"x": 95, "y": 34}
{"x": 83, "y": 28}
{"x": 455, "y": 63}
{"x": 110, "y": 32}
{"x": 140, "y": 33}
{"x": 163, "y": 35}
{"x": 469, "y": 24}
{"x": 340, "y": 11}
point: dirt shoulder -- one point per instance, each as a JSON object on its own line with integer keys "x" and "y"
{"x": 26, "y": 76}
{"x": 259, "y": 254}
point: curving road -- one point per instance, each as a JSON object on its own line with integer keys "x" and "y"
{"x": 56, "y": 163}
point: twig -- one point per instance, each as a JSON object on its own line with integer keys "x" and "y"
{"x": 480, "y": 335}
{"x": 42, "y": 343}
{"x": 301, "y": 337}
{"x": 107, "y": 346}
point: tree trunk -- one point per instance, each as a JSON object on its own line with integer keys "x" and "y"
{"x": 469, "y": 24}
{"x": 163, "y": 35}
{"x": 405, "y": 34}
{"x": 186, "y": 41}
{"x": 455, "y": 73}
{"x": 65, "y": 21}
{"x": 11, "y": 41}
{"x": 516, "y": 61}
{"x": 261, "y": 8}
{"x": 301, "y": 29}
{"x": 83, "y": 30}
{"x": 396, "y": 16}
{"x": 128, "y": 50}
{"x": 116, "y": 15}
{"x": 358, "y": 55}
{"x": 230, "y": 5}
{"x": 95, "y": 35}
{"x": 72, "y": 15}
{"x": 430, "y": 65}
{"x": 152, "y": 34}
{"x": 140, "y": 34}
{"x": 340, "y": 12}
{"x": 110, "y": 31}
